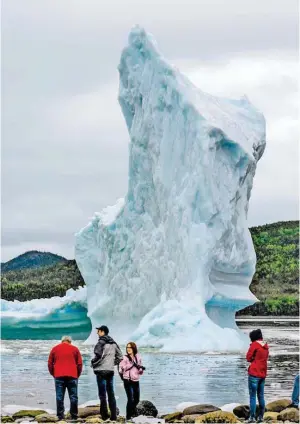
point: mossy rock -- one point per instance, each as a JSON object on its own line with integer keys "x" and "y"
{"x": 271, "y": 416}
{"x": 94, "y": 420}
{"x": 174, "y": 416}
{"x": 200, "y": 409}
{"x": 191, "y": 418}
{"x": 87, "y": 411}
{"x": 6, "y": 419}
{"x": 28, "y": 413}
{"x": 218, "y": 417}
{"x": 278, "y": 405}
{"x": 46, "y": 418}
{"x": 289, "y": 414}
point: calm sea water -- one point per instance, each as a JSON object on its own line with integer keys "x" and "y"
{"x": 169, "y": 379}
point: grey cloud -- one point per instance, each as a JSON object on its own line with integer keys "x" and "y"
{"x": 60, "y": 162}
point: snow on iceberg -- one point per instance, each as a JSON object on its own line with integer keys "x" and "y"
{"x": 172, "y": 263}
{"x": 45, "y": 318}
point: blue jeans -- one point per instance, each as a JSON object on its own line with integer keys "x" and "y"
{"x": 105, "y": 382}
{"x": 256, "y": 387}
{"x": 295, "y": 394}
{"x": 132, "y": 389}
{"x": 61, "y": 384}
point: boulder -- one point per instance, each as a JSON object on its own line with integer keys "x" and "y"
{"x": 200, "y": 409}
{"x": 93, "y": 420}
{"x": 28, "y": 413}
{"x": 289, "y": 414}
{"x": 270, "y": 416}
{"x": 6, "y": 419}
{"x": 46, "y": 418}
{"x": 174, "y": 416}
{"x": 218, "y": 417}
{"x": 242, "y": 411}
{"x": 278, "y": 405}
{"x": 191, "y": 418}
{"x": 88, "y": 411}
{"x": 146, "y": 408}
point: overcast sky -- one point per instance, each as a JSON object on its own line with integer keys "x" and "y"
{"x": 64, "y": 139}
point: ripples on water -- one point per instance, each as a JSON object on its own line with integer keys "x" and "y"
{"x": 169, "y": 378}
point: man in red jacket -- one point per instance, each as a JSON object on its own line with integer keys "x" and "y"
{"x": 65, "y": 365}
{"x": 257, "y": 355}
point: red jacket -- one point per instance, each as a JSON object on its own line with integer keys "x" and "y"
{"x": 65, "y": 361}
{"x": 258, "y": 354}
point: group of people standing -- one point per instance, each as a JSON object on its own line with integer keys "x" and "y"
{"x": 65, "y": 365}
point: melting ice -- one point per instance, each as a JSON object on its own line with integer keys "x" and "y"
{"x": 171, "y": 263}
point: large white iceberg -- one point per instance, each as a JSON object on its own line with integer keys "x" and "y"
{"x": 171, "y": 263}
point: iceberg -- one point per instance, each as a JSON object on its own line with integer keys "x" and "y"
{"x": 169, "y": 265}
{"x": 46, "y": 318}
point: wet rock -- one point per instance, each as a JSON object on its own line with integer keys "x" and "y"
{"x": 278, "y": 405}
{"x": 200, "y": 409}
{"x": 28, "y": 413}
{"x": 146, "y": 408}
{"x": 289, "y": 414}
{"x": 46, "y": 418}
{"x": 270, "y": 416}
{"x": 174, "y": 416}
{"x": 218, "y": 417}
{"x": 242, "y": 411}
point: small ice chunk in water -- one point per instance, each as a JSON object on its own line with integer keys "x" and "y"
{"x": 142, "y": 419}
{"x": 229, "y": 407}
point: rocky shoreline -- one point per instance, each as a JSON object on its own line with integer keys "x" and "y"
{"x": 276, "y": 412}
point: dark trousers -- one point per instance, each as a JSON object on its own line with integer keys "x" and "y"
{"x": 132, "y": 389}
{"x": 256, "y": 388}
{"x": 61, "y": 384}
{"x": 105, "y": 383}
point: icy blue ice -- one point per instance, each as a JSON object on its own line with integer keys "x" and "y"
{"x": 171, "y": 263}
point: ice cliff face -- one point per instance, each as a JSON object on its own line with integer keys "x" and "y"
{"x": 172, "y": 263}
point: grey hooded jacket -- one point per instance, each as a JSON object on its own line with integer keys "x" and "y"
{"x": 107, "y": 355}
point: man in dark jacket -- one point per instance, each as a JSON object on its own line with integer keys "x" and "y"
{"x": 65, "y": 365}
{"x": 107, "y": 355}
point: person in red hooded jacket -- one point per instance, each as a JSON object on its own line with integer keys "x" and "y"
{"x": 65, "y": 365}
{"x": 257, "y": 355}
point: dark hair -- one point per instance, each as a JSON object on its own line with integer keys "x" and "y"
{"x": 256, "y": 335}
{"x": 104, "y": 329}
{"x": 133, "y": 346}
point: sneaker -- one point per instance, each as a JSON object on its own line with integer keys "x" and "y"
{"x": 260, "y": 420}
{"x": 251, "y": 420}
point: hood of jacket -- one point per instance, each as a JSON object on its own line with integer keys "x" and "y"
{"x": 107, "y": 339}
{"x": 263, "y": 344}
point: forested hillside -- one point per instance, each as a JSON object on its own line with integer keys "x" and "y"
{"x": 275, "y": 283}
